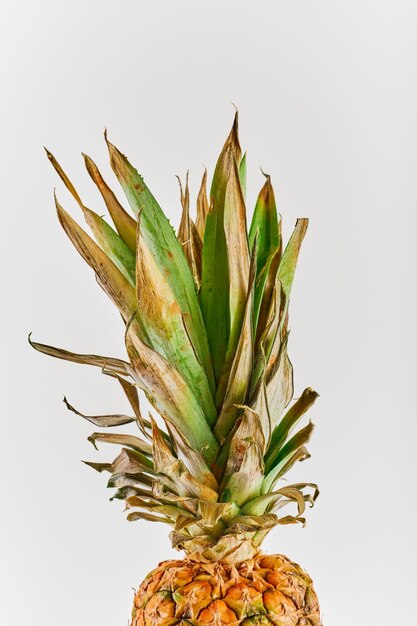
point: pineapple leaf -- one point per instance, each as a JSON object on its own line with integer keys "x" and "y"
{"x": 286, "y": 269}
{"x": 125, "y": 224}
{"x": 287, "y": 424}
{"x": 245, "y": 467}
{"x": 269, "y": 501}
{"x": 114, "y": 283}
{"x": 167, "y": 328}
{"x": 264, "y": 293}
{"x": 166, "y": 463}
{"x": 297, "y": 441}
{"x": 106, "y": 237}
{"x": 265, "y": 223}
{"x": 104, "y": 421}
{"x": 293, "y": 451}
{"x": 117, "y": 366}
{"x": 241, "y": 369}
{"x": 171, "y": 396}
{"x": 189, "y": 237}
{"x": 192, "y": 459}
{"x": 129, "y": 461}
{"x": 159, "y": 238}
{"x": 202, "y": 207}
{"x": 214, "y": 293}
{"x": 280, "y": 386}
{"x": 125, "y": 440}
{"x": 242, "y": 175}
{"x": 239, "y": 266}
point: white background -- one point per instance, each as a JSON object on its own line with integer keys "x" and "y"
{"x": 327, "y": 98}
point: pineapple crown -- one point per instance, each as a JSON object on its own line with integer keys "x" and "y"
{"x": 206, "y": 331}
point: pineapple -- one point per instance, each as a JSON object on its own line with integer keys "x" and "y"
{"x": 205, "y": 314}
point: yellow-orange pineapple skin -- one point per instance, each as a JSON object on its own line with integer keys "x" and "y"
{"x": 264, "y": 590}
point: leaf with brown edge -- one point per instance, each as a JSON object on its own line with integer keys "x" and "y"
{"x": 131, "y": 393}
{"x": 118, "y": 366}
{"x": 130, "y": 461}
{"x": 104, "y": 421}
{"x": 169, "y": 465}
{"x": 171, "y": 396}
{"x": 124, "y": 440}
{"x": 189, "y": 237}
{"x": 132, "y": 396}
{"x": 213, "y": 512}
{"x": 125, "y": 224}
{"x": 163, "y": 318}
{"x": 159, "y": 238}
{"x": 123, "y": 480}
{"x": 248, "y": 523}
{"x": 241, "y": 369}
{"x": 287, "y": 424}
{"x": 191, "y": 458}
{"x": 138, "y": 515}
{"x": 265, "y": 224}
{"x": 126, "y": 492}
{"x": 117, "y": 287}
{"x": 99, "y": 467}
{"x": 214, "y": 293}
{"x": 288, "y": 263}
{"x": 107, "y": 238}
{"x": 244, "y": 470}
{"x": 267, "y": 347}
{"x": 202, "y": 207}
{"x": 238, "y": 269}
{"x": 264, "y": 293}
{"x": 280, "y": 386}
{"x": 242, "y": 175}
{"x": 261, "y": 407}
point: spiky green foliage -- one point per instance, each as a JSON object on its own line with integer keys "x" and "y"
{"x": 206, "y": 330}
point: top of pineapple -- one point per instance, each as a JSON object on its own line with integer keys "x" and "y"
{"x": 206, "y": 330}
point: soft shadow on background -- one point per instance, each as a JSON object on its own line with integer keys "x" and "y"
{"x": 327, "y": 98}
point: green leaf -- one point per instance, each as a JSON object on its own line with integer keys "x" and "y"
{"x": 274, "y": 500}
{"x": 162, "y": 245}
{"x": 280, "y": 386}
{"x": 242, "y": 175}
{"x": 239, "y": 267}
{"x": 264, "y": 293}
{"x": 286, "y": 269}
{"x": 265, "y": 223}
{"x": 167, "y": 327}
{"x": 240, "y": 372}
{"x": 244, "y": 471}
{"x": 214, "y": 293}
{"x": 298, "y": 440}
{"x": 287, "y": 425}
{"x": 171, "y": 396}
{"x": 292, "y": 452}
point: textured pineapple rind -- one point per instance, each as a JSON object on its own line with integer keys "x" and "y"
{"x": 264, "y": 590}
